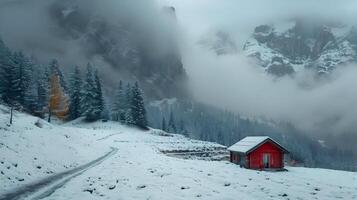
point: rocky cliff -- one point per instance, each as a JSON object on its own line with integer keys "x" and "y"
{"x": 286, "y": 48}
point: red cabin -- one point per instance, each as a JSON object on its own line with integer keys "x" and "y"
{"x": 258, "y": 152}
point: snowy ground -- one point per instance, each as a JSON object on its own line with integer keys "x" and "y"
{"x": 139, "y": 169}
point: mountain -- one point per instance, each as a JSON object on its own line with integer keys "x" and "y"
{"x": 127, "y": 40}
{"x": 129, "y": 48}
{"x": 294, "y": 45}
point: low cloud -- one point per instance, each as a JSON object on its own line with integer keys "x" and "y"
{"x": 233, "y": 82}
{"x": 229, "y": 81}
{"x": 240, "y": 17}
{"x": 48, "y": 28}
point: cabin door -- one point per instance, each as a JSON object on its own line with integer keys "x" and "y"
{"x": 266, "y": 160}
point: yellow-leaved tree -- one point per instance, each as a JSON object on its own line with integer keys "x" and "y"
{"x": 58, "y": 102}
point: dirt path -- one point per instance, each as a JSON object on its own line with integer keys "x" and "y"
{"x": 47, "y": 186}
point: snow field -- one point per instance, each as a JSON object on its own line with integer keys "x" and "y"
{"x": 139, "y": 170}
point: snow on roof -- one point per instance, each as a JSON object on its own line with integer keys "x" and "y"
{"x": 250, "y": 142}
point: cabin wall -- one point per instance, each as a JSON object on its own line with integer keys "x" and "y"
{"x": 235, "y": 157}
{"x": 239, "y": 159}
{"x": 256, "y": 157}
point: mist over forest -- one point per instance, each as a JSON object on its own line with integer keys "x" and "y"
{"x": 323, "y": 105}
{"x": 199, "y": 61}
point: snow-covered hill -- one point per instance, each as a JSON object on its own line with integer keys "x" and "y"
{"x": 292, "y": 46}
{"x": 137, "y": 166}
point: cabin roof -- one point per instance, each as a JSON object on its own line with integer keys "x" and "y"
{"x": 250, "y": 143}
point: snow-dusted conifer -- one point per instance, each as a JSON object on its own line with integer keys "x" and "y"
{"x": 98, "y": 96}
{"x": 88, "y": 110}
{"x": 7, "y": 75}
{"x": 182, "y": 128}
{"x": 75, "y": 94}
{"x": 30, "y": 98}
{"x": 120, "y": 104}
{"x": 172, "y": 124}
{"x": 138, "y": 108}
{"x": 129, "y": 117}
{"x": 220, "y": 138}
{"x": 42, "y": 84}
{"x": 128, "y": 96}
{"x": 163, "y": 124}
{"x": 23, "y": 67}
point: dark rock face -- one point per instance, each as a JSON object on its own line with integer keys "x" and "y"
{"x": 129, "y": 49}
{"x": 302, "y": 45}
{"x": 279, "y": 68}
{"x": 352, "y": 37}
{"x": 324, "y": 39}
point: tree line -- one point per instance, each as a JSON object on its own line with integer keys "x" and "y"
{"x": 42, "y": 90}
{"x": 174, "y": 126}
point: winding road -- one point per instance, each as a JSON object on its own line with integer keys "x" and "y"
{"x": 47, "y": 186}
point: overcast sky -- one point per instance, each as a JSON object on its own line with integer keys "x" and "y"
{"x": 241, "y": 16}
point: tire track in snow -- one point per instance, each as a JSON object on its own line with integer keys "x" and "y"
{"x": 108, "y": 136}
{"x": 26, "y": 191}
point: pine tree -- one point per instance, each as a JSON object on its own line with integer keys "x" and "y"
{"x": 31, "y": 96}
{"x": 127, "y": 106}
{"x": 42, "y": 84}
{"x": 88, "y": 110}
{"x": 3, "y": 68}
{"x": 31, "y": 99}
{"x": 23, "y": 77}
{"x": 8, "y": 81}
{"x": 220, "y": 138}
{"x": 163, "y": 124}
{"x": 75, "y": 94}
{"x": 58, "y": 102}
{"x": 138, "y": 108}
{"x": 129, "y": 117}
{"x": 120, "y": 104}
{"x": 182, "y": 128}
{"x": 98, "y": 96}
{"x": 172, "y": 124}
{"x": 115, "y": 109}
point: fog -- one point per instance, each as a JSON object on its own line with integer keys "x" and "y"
{"x": 239, "y": 17}
{"x": 235, "y": 83}
{"x": 230, "y": 81}
{"x": 116, "y": 36}
{"x": 41, "y": 28}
